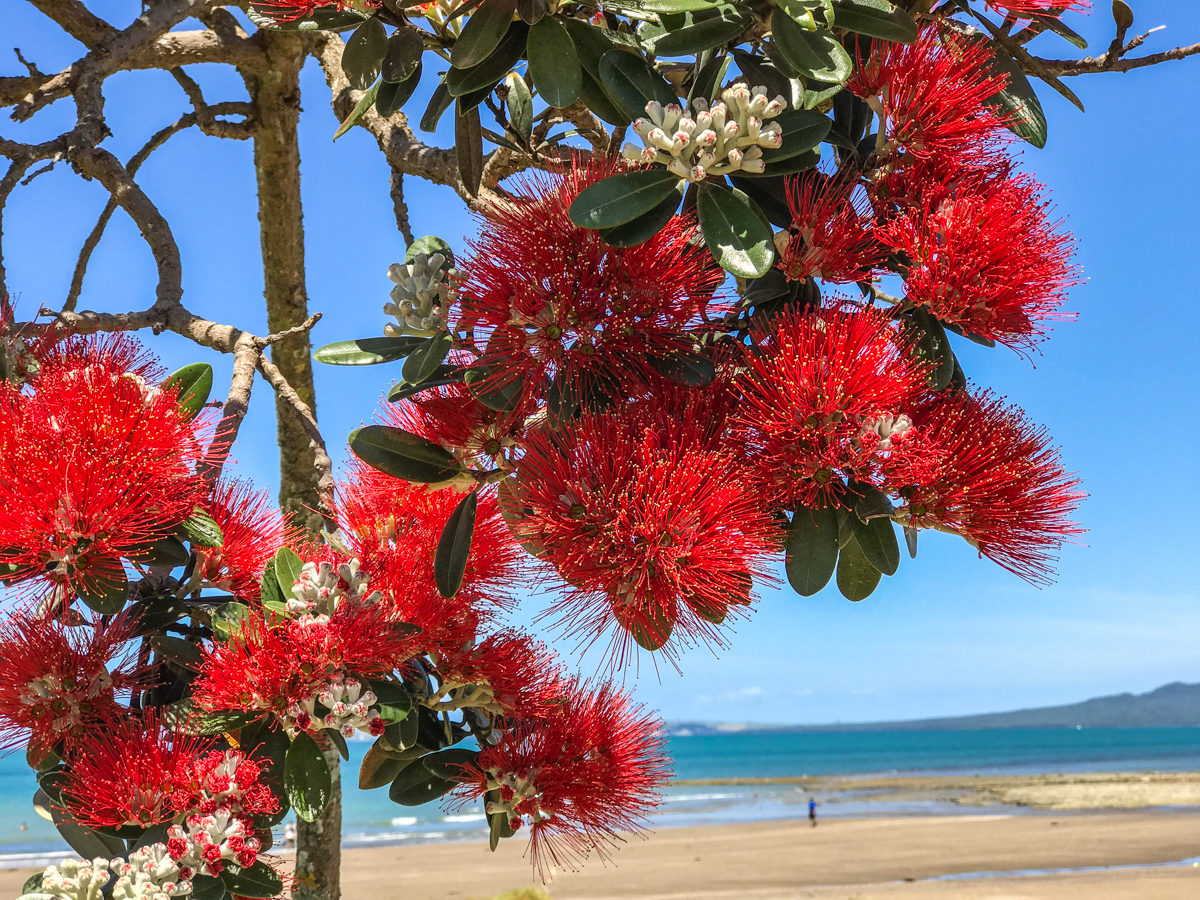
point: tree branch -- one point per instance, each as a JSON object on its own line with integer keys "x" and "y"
{"x": 1104, "y": 63}
{"x": 76, "y": 20}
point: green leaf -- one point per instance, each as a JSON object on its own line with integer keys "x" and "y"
{"x": 402, "y": 390}
{"x": 803, "y": 129}
{"x": 553, "y": 63}
{"x": 363, "y": 55}
{"x": 228, "y": 619}
{"x": 933, "y": 346}
{"x": 632, "y": 83}
{"x": 166, "y": 553}
{"x": 483, "y": 32}
{"x": 364, "y": 103}
{"x": 531, "y": 11}
{"x": 499, "y": 827}
{"x": 593, "y": 95}
{"x": 674, "y": 6}
{"x": 424, "y": 359}
{"x": 40, "y": 759}
{"x": 486, "y": 73}
{"x": 259, "y": 880}
{"x": 401, "y": 736}
{"x": 689, "y": 369}
{"x": 709, "y": 76}
{"x": 379, "y": 767}
{"x": 758, "y": 71}
{"x": 813, "y": 54}
{"x": 428, "y": 245}
{"x": 202, "y": 529}
{"x": 910, "y": 540}
{"x": 647, "y": 225}
{"x": 454, "y": 546}
{"x": 1122, "y": 15}
{"x": 735, "y": 230}
{"x": 306, "y": 778}
{"x": 106, "y": 593}
{"x": 185, "y": 715}
{"x": 875, "y": 18}
{"x": 366, "y": 351}
{"x": 193, "y": 383}
{"x": 520, "y": 105}
{"x": 591, "y": 43}
{"x": 491, "y": 392}
{"x": 622, "y": 198}
{"x": 318, "y": 20}
{"x": 877, "y": 540}
{"x": 395, "y": 702}
{"x": 404, "y": 50}
{"x": 695, "y": 32}
{"x": 447, "y": 764}
{"x": 86, "y": 842}
{"x": 177, "y": 650}
{"x": 1017, "y": 102}
{"x": 439, "y": 102}
{"x": 287, "y": 566}
{"x": 856, "y": 577}
{"x": 811, "y": 549}
{"x": 389, "y": 98}
{"x": 416, "y": 786}
{"x": 400, "y": 454}
{"x": 33, "y": 884}
{"x": 468, "y": 150}
{"x": 205, "y": 887}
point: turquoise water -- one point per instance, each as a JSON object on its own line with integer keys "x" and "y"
{"x": 370, "y": 818}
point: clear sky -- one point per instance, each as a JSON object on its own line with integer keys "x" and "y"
{"x": 949, "y": 633}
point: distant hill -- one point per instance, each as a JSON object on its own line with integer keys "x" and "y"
{"x": 1172, "y": 705}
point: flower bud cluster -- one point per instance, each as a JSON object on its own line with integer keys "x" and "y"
{"x": 351, "y": 709}
{"x": 207, "y": 843}
{"x": 422, "y": 296}
{"x": 887, "y": 429}
{"x": 65, "y": 701}
{"x": 727, "y": 136}
{"x": 149, "y": 874}
{"x": 322, "y": 588}
{"x": 518, "y": 798}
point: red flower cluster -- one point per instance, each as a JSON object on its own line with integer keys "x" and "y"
{"x": 577, "y": 776}
{"x": 96, "y": 463}
{"x": 830, "y": 237}
{"x": 295, "y": 10}
{"x": 253, "y": 531}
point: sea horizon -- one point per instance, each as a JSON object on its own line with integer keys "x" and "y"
{"x": 704, "y": 765}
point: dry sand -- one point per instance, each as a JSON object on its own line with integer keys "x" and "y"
{"x": 846, "y": 859}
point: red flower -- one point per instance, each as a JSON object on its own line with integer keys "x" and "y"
{"x": 555, "y": 300}
{"x": 394, "y": 527}
{"x": 1023, "y": 9}
{"x": 55, "y": 680}
{"x": 253, "y": 530}
{"x": 95, "y": 464}
{"x": 135, "y": 771}
{"x": 294, "y": 10}
{"x": 933, "y": 95}
{"x": 507, "y": 673}
{"x": 647, "y": 517}
{"x": 981, "y": 249}
{"x": 578, "y": 776}
{"x": 998, "y": 482}
{"x": 229, "y": 780}
{"x": 829, "y": 238}
{"x": 822, "y": 399}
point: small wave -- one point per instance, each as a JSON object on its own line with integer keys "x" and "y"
{"x": 685, "y": 797}
{"x": 400, "y": 821}
{"x": 465, "y": 817}
{"x": 34, "y": 860}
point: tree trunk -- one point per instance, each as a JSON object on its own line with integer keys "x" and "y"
{"x": 276, "y": 94}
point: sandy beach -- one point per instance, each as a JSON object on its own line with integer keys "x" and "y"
{"x": 848, "y": 859}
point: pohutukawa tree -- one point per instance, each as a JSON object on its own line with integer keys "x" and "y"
{"x": 703, "y": 331}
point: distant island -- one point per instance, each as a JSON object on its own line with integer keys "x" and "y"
{"x": 1170, "y": 706}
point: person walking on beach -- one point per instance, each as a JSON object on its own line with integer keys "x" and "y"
{"x": 812, "y": 812}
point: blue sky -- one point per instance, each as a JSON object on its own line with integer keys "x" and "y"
{"x": 950, "y": 633}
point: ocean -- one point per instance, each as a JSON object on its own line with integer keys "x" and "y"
{"x": 371, "y": 819}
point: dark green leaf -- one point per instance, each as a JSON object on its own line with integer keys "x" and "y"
{"x": 185, "y": 715}
{"x": 647, "y": 225}
{"x": 439, "y": 102}
{"x": 692, "y": 33}
{"x": 259, "y": 880}
{"x": 758, "y": 71}
{"x": 591, "y": 43}
{"x": 339, "y": 742}
{"x": 1017, "y": 102}
{"x": 177, "y": 650}
{"x": 651, "y": 630}
{"x": 803, "y": 129}
{"x": 877, "y": 540}
{"x": 306, "y": 778}
{"x": 106, "y": 593}
{"x": 1122, "y": 15}
{"x": 392, "y": 96}
{"x": 735, "y": 230}
{"x": 404, "y": 49}
{"x": 1063, "y": 30}
{"x": 415, "y": 786}
{"x": 493, "y": 393}
{"x": 379, "y": 767}
{"x": 165, "y": 553}
{"x": 271, "y": 592}
{"x": 554, "y": 63}
{"x": 403, "y": 455}
{"x": 468, "y": 149}
{"x": 366, "y": 351}
{"x": 910, "y": 540}
{"x": 87, "y": 843}
{"x": 531, "y": 11}
{"x": 40, "y": 759}
{"x": 676, "y": 6}
{"x": 484, "y": 75}
{"x": 875, "y": 18}
{"x": 424, "y": 359}
{"x": 593, "y": 95}
{"x": 364, "y": 103}
{"x": 709, "y": 77}
{"x": 520, "y": 105}
{"x": 483, "y": 32}
{"x": 692, "y": 369}
{"x": 499, "y": 827}
{"x": 202, "y": 529}
{"x": 622, "y": 198}
{"x": 813, "y": 54}
{"x": 402, "y": 736}
{"x": 933, "y": 346}
{"x": 193, "y": 383}
{"x": 632, "y": 83}
{"x": 856, "y": 577}
{"x": 228, "y": 619}
{"x": 402, "y": 390}
{"x": 811, "y": 549}
{"x": 317, "y": 20}
{"x": 205, "y": 887}
{"x": 454, "y": 546}
{"x": 363, "y": 54}
{"x": 448, "y": 763}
